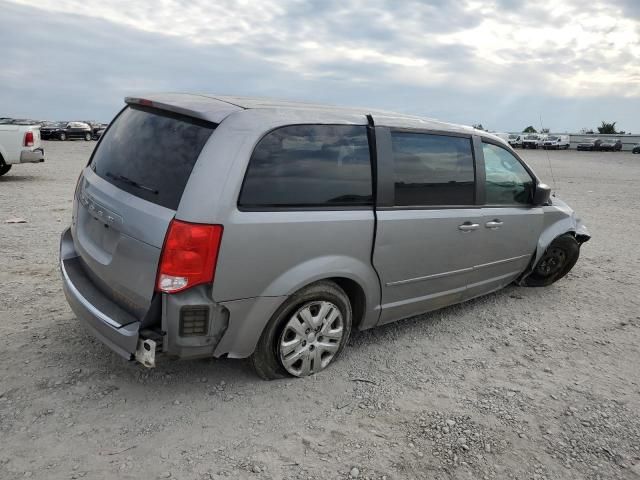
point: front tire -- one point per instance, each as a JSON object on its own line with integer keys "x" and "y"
{"x": 558, "y": 259}
{"x": 87, "y": 137}
{"x": 306, "y": 334}
{"x": 62, "y": 136}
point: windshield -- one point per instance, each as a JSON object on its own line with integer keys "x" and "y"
{"x": 552, "y": 137}
{"x": 531, "y": 137}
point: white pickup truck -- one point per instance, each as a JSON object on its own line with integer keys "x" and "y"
{"x": 19, "y": 144}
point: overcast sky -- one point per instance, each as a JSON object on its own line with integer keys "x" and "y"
{"x": 503, "y": 63}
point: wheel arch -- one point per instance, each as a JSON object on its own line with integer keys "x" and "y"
{"x": 561, "y": 220}
{"x": 255, "y": 314}
{"x": 357, "y": 298}
{"x": 355, "y": 276}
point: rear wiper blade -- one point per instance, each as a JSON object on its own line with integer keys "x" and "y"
{"x": 133, "y": 183}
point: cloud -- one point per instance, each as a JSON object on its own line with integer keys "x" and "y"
{"x": 466, "y": 61}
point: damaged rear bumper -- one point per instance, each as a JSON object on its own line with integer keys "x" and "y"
{"x": 105, "y": 320}
{"x": 184, "y": 325}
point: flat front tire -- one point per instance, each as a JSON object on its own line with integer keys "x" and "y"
{"x": 306, "y": 334}
{"x": 558, "y": 260}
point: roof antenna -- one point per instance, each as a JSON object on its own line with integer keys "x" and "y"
{"x": 553, "y": 178}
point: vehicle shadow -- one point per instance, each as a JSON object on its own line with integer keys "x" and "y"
{"x": 202, "y": 374}
{"x": 18, "y": 178}
{"x": 424, "y": 322}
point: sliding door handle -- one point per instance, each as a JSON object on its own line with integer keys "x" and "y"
{"x": 468, "y": 226}
{"x": 494, "y": 224}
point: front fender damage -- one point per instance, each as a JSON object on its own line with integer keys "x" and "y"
{"x": 559, "y": 219}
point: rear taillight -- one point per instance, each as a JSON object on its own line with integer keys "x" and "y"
{"x": 28, "y": 139}
{"x": 189, "y": 256}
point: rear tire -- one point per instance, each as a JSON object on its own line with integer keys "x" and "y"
{"x": 558, "y": 259}
{"x": 4, "y": 168}
{"x": 283, "y": 341}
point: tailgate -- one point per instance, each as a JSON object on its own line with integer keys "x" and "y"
{"x": 126, "y": 198}
{"x": 119, "y": 239}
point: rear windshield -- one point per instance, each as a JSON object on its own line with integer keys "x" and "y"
{"x": 150, "y": 154}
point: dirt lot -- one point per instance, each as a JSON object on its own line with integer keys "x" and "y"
{"x": 525, "y": 383}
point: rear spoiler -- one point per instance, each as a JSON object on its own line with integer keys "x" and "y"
{"x": 200, "y": 107}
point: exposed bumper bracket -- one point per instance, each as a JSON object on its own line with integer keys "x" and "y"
{"x": 146, "y": 352}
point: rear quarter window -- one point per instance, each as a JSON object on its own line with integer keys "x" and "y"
{"x": 309, "y": 166}
{"x": 151, "y": 154}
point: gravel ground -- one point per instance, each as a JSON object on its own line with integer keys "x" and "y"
{"x": 525, "y": 383}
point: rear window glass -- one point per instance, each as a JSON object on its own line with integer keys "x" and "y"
{"x": 151, "y": 154}
{"x": 309, "y": 166}
{"x": 432, "y": 169}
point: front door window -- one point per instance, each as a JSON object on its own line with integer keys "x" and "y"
{"x": 507, "y": 181}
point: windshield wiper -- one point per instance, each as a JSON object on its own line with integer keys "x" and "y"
{"x": 133, "y": 183}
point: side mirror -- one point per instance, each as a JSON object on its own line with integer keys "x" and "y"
{"x": 541, "y": 194}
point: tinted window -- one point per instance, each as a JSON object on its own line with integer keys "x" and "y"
{"x": 432, "y": 169}
{"x": 309, "y": 165}
{"x": 508, "y": 182}
{"x": 150, "y": 154}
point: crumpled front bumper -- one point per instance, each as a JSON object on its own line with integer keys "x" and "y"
{"x": 582, "y": 234}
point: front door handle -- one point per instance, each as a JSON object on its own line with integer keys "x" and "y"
{"x": 493, "y": 224}
{"x": 468, "y": 226}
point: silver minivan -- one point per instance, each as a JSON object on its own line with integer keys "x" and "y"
{"x": 243, "y": 227}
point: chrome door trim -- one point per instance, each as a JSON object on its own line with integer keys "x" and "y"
{"x": 428, "y": 277}
{"x": 456, "y": 272}
{"x": 499, "y": 262}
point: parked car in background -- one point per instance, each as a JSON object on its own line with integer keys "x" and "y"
{"x": 636, "y": 148}
{"x": 95, "y": 126}
{"x": 611, "y": 145}
{"x": 589, "y": 144}
{"x": 515, "y": 140}
{"x": 240, "y": 227}
{"x": 19, "y": 143}
{"x": 97, "y": 133}
{"x": 532, "y": 140}
{"x": 556, "y": 142}
{"x": 67, "y": 131}
{"x": 52, "y": 130}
